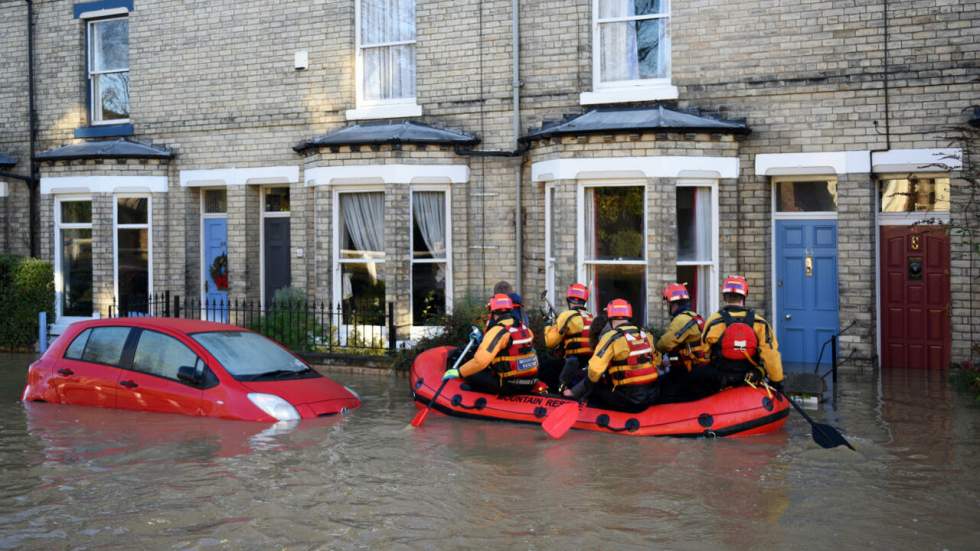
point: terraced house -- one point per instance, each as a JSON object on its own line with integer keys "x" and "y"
{"x": 417, "y": 151}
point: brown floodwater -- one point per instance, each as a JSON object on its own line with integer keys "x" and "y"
{"x": 85, "y": 478}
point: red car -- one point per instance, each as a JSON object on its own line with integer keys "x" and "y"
{"x": 182, "y": 366}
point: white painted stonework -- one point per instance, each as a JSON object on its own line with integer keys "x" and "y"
{"x": 261, "y": 176}
{"x": 103, "y": 184}
{"x": 387, "y": 174}
{"x": 917, "y": 160}
{"x": 635, "y": 167}
{"x": 826, "y": 162}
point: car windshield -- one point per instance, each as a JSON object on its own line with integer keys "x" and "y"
{"x": 251, "y": 357}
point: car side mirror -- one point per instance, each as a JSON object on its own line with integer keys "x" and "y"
{"x": 188, "y": 374}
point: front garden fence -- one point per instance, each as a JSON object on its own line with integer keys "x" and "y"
{"x": 301, "y": 326}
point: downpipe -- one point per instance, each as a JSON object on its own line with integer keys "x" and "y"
{"x": 34, "y": 179}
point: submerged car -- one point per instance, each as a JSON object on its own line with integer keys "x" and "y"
{"x": 182, "y": 366}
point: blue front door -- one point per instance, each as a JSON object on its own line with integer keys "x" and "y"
{"x": 806, "y": 288}
{"x": 216, "y": 269}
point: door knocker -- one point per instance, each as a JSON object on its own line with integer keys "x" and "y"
{"x": 808, "y": 264}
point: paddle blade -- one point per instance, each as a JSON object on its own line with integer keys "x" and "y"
{"x": 561, "y": 420}
{"x": 828, "y": 437}
{"x": 420, "y": 417}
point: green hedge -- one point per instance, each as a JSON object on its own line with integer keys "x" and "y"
{"x": 26, "y": 288}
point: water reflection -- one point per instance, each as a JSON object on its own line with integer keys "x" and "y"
{"x": 92, "y": 478}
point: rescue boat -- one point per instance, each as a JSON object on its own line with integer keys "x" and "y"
{"x": 741, "y": 411}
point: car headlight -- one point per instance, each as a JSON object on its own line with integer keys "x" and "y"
{"x": 274, "y": 406}
{"x": 351, "y": 390}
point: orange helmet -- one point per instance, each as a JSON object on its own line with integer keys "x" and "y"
{"x": 735, "y": 284}
{"x": 500, "y": 303}
{"x": 675, "y": 292}
{"x": 619, "y": 309}
{"x": 577, "y": 291}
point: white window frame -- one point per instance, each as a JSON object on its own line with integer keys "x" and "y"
{"x": 713, "y": 281}
{"x": 148, "y": 226}
{"x": 550, "y": 261}
{"x": 419, "y": 331}
{"x": 59, "y": 281}
{"x": 385, "y": 108}
{"x": 205, "y": 215}
{"x": 581, "y": 262}
{"x": 263, "y": 214}
{"x": 95, "y": 108}
{"x": 778, "y": 215}
{"x": 620, "y": 91}
{"x": 338, "y": 262}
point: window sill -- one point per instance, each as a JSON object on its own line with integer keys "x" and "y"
{"x": 391, "y": 111}
{"x": 105, "y": 131}
{"x": 628, "y": 94}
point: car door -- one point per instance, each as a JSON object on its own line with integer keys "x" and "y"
{"x": 87, "y": 373}
{"x": 151, "y": 382}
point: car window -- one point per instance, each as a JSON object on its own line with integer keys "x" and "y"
{"x": 77, "y": 346}
{"x": 246, "y": 355}
{"x": 105, "y": 345}
{"x": 162, "y": 355}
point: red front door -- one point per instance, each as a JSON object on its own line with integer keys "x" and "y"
{"x": 915, "y": 297}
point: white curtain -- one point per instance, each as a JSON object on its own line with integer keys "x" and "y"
{"x": 703, "y": 232}
{"x": 704, "y": 290}
{"x": 429, "y": 210}
{"x": 620, "y": 59}
{"x": 590, "y": 233}
{"x": 363, "y": 215}
{"x": 388, "y": 71}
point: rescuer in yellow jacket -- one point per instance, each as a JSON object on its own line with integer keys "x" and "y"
{"x": 623, "y": 371}
{"x": 682, "y": 339}
{"x": 505, "y": 362}
{"x": 570, "y": 336}
{"x": 742, "y": 343}
{"x": 681, "y": 345}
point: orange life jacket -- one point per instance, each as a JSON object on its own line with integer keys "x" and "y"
{"x": 579, "y": 344}
{"x": 519, "y": 361}
{"x": 638, "y": 367}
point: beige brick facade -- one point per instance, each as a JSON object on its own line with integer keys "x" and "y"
{"x": 214, "y": 82}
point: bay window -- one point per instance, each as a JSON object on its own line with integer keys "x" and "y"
{"x": 133, "y": 263}
{"x": 385, "y": 64}
{"x": 697, "y": 250}
{"x": 108, "y": 70}
{"x": 430, "y": 256}
{"x": 360, "y": 256}
{"x": 73, "y": 257}
{"x": 613, "y": 238}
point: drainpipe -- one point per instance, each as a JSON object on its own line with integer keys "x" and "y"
{"x": 515, "y": 29}
{"x": 520, "y": 146}
{"x": 874, "y": 203}
{"x": 32, "y": 183}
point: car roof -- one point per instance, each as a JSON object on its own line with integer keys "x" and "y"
{"x": 172, "y": 324}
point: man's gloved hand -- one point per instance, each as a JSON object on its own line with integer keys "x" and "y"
{"x": 776, "y": 385}
{"x": 451, "y": 374}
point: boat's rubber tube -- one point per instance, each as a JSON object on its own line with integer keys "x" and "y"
{"x": 738, "y": 411}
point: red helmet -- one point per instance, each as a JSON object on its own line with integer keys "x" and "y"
{"x": 675, "y": 292}
{"x": 619, "y": 309}
{"x": 735, "y": 284}
{"x": 577, "y": 291}
{"x": 500, "y": 303}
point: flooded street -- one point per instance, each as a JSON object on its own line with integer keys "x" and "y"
{"x": 85, "y": 478}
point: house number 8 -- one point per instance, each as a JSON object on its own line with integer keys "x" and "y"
{"x": 915, "y": 242}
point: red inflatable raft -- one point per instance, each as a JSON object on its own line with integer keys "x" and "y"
{"x": 741, "y": 411}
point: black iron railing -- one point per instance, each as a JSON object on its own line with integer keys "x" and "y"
{"x": 301, "y": 326}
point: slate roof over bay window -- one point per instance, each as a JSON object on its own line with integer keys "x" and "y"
{"x": 618, "y": 120}
{"x": 112, "y": 149}
{"x": 407, "y": 132}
